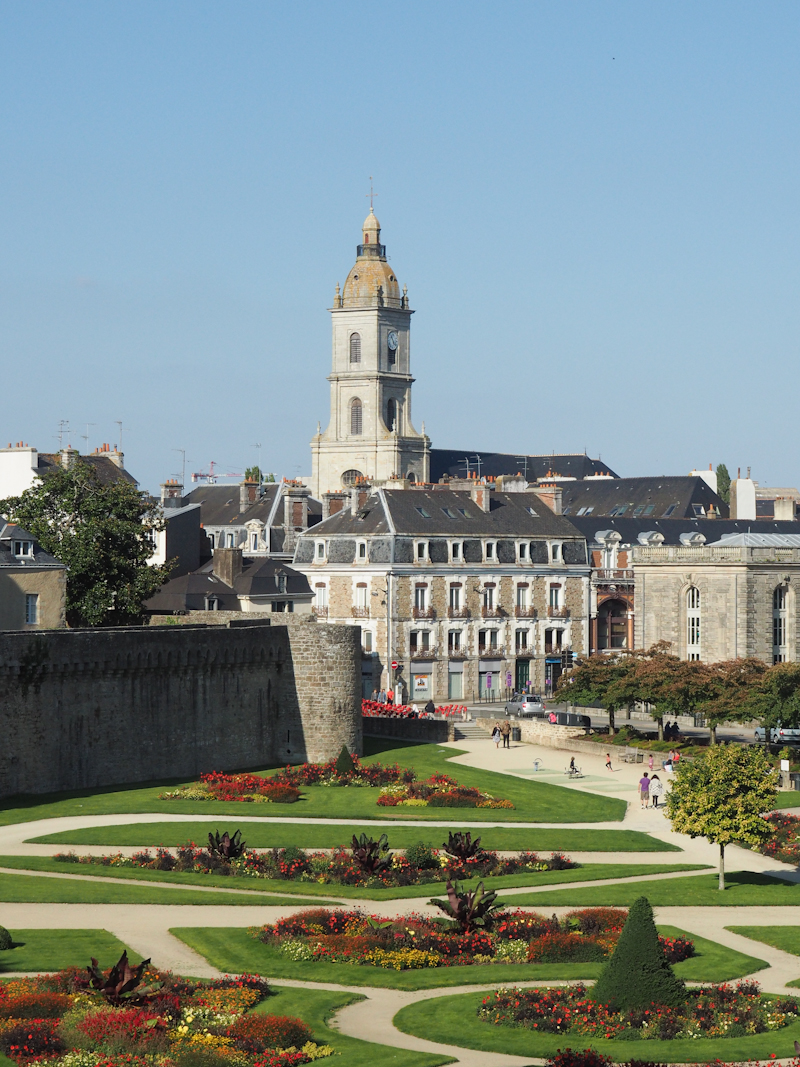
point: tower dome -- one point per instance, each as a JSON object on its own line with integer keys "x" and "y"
{"x": 371, "y": 282}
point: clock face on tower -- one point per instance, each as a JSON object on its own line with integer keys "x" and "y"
{"x": 391, "y": 340}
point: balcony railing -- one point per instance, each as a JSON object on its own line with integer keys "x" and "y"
{"x": 423, "y": 613}
{"x": 423, "y": 653}
{"x": 321, "y": 613}
{"x": 524, "y": 653}
{"x": 557, "y": 613}
{"x": 524, "y": 613}
{"x": 457, "y": 653}
{"x": 492, "y": 651}
{"x": 360, "y": 613}
{"x": 492, "y": 613}
{"x": 458, "y": 613}
{"x": 609, "y": 574}
{"x": 552, "y": 650}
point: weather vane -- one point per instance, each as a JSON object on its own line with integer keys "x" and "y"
{"x": 370, "y": 194}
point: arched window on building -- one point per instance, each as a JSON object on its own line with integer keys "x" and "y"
{"x": 355, "y": 347}
{"x": 356, "y": 417}
{"x": 391, "y": 414}
{"x": 779, "y": 613}
{"x": 693, "y": 623}
{"x": 612, "y": 625}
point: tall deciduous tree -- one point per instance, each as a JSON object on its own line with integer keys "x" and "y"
{"x": 605, "y": 679}
{"x": 733, "y": 684}
{"x": 104, "y": 535}
{"x": 671, "y": 685}
{"x": 776, "y": 699}
{"x": 722, "y": 796}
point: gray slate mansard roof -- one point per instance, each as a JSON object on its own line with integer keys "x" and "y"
{"x": 106, "y": 470}
{"x": 258, "y": 578}
{"x": 10, "y": 533}
{"x": 713, "y": 529}
{"x": 220, "y": 504}
{"x": 398, "y": 510}
{"x": 655, "y": 496}
{"x": 450, "y": 461}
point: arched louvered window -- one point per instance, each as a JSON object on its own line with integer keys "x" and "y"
{"x": 391, "y": 414}
{"x": 356, "y": 417}
{"x": 693, "y": 623}
{"x": 355, "y": 347}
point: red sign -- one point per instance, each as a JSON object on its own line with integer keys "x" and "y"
{"x": 395, "y": 664}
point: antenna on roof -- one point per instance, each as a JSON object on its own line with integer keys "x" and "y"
{"x": 466, "y": 464}
{"x": 119, "y": 423}
{"x": 183, "y": 464}
{"x": 85, "y": 436}
{"x": 524, "y": 461}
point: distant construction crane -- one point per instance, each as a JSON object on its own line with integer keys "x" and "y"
{"x": 210, "y": 476}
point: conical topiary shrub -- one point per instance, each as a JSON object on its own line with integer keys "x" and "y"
{"x": 638, "y": 974}
{"x": 344, "y": 763}
{"x": 5, "y": 939}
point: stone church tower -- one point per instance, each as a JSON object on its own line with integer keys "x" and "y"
{"x": 370, "y": 433}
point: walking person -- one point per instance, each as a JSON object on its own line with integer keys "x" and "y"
{"x": 496, "y": 735}
{"x": 650, "y": 763}
{"x": 572, "y": 768}
{"x": 644, "y": 789}
{"x": 505, "y": 730}
{"x": 608, "y": 762}
{"x": 656, "y": 789}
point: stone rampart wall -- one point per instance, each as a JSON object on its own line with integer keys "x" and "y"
{"x": 433, "y": 731}
{"x": 89, "y": 708}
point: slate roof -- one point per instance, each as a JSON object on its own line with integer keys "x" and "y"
{"x": 258, "y": 578}
{"x": 659, "y": 498}
{"x": 713, "y": 529}
{"x": 450, "y": 513}
{"x": 107, "y": 472}
{"x": 761, "y": 540}
{"x": 451, "y": 461}
{"x": 220, "y": 504}
{"x": 9, "y": 533}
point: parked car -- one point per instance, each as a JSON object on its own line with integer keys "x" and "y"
{"x": 526, "y": 706}
{"x": 780, "y": 734}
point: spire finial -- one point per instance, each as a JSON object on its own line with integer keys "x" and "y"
{"x": 370, "y": 194}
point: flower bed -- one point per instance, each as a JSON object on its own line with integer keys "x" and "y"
{"x": 398, "y": 785}
{"x": 372, "y": 709}
{"x": 415, "y": 941}
{"x": 138, "y": 1017}
{"x": 711, "y": 1011}
{"x": 355, "y": 866}
{"x": 785, "y": 844}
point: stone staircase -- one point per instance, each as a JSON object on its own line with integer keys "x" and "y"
{"x": 469, "y": 731}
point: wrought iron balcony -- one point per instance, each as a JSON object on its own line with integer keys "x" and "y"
{"x": 608, "y": 574}
{"x": 492, "y": 613}
{"x": 360, "y": 613}
{"x": 458, "y": 613}
{"x": 423, "y": 613}
{"x": 321, "y": 613}
{"x": 492, "y": 651}
{"x": 524, "y": 613}
{"x": 457, "y": 653}
{"x": 423, "y": 653}
{"x": 557, "y": 613}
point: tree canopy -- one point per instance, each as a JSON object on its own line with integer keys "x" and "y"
{"x": 777, "y": 697}
{"x": 722, "y": 796}
{"x": 104, "y": 535}
{"x": 723, "y": 483}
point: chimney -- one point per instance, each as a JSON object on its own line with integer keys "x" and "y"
{"x": 332, "y": 503}
{"x": 171, "y": 493}
{"x": 68, "y": 457}
{"x": 784, "y": 509}
{"x": 248, "y": 494}
{"x": 227, "y": 564}
{"x": 481, "y": 494}
{"x": 117, "y": 457}
{"x": 743, "y": 499}
{"x": 511, "y": 483}
{"x": 551, "y": 494}
{"x": 295, "y": 512}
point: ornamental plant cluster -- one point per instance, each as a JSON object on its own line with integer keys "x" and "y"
{"x": 438, "y": 791}
{"x": 414, "y": 941}
{"x": 364, "y": 863}
{"x": 65, "y": 1020}
{"x": 245, "y": 788}
{"x": 784, "y": 845}
{"x": 373, "y": 709}
{"x": 709, "y": 1011}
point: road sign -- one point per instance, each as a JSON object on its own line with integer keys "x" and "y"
{"x": 488, "y": 680}
{"x": 395, "y": 664}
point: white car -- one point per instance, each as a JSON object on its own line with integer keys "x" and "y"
{"x": 527, "y": 706}
{"x": 780, "y": 734}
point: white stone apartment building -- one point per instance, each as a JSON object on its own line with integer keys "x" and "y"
{"x": 470, "y": 591}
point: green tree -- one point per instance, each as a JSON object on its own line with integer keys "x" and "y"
{"x": 605, "y": 679}
{"x": 253, "y": 474}
{"x": 722, "y": 796}
{"x": 723, "y": 483}
{"x": 776, "y": 699}
{"x": 732, "y": 686}
{"x": 104, "y": 535}
{"x": 638, "y": 975}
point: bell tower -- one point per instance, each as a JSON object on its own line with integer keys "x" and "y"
{"x": 370, "y": 434}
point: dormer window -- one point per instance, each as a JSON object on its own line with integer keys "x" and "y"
{"x": 421, "y": 551}
{"x": 491, "y": 551}
{"x": 23, "y": 549}
{"x": 523, "y": 552}
{"x": 320, "y": 552}
{"x": 555, "y": 552}
{"x": 456, "y": 552}
{"x": 281, "y": 582}
{"x": 212, "y": 603}
{"x": 361, "y": 551}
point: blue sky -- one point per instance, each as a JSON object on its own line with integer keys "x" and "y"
{"x": 594, "y": 207}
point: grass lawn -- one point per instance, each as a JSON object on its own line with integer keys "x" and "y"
{"x": 234, "y": 950}
{"x": 316, "y": 1006}
{"x": 454, "y": 1020}
{"x": 742, "y": 887}
{"x": 22, "y": 889}
{"x": 786, "y": 938}
{"x": 587, "y": 872}
{"x": 326, "y": 835}
{"x": 534, "y": 801}
{"x": 788, "y": 799}
{"x": 52, "y": 950}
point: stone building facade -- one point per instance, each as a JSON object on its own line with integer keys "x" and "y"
{"x": 87, "y": 708}
{"x": 728, "y": 600}
{"x": 469, "y": 590}
{"x": 33, "y": 584}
